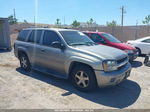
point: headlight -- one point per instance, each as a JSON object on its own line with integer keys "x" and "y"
{"x": 129, "y": 51}
{"x": 109, "y": 65}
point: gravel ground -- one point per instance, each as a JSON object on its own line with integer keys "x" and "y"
{"x": 35, "y": 90}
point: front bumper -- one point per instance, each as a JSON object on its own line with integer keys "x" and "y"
{"x": 133, "y": 56}
{"x": 105, "y": 79}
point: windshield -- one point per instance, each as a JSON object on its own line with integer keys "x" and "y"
{"x": 111, "y": 38}
{"x": 76, "y": 38}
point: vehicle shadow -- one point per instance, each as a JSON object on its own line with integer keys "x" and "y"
{"x": 4, "y": 51}
{"x": 136, "y": 64}
{"x": 120, "y": 96}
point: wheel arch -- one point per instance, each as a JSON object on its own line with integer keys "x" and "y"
{"x": 76, "y": 63}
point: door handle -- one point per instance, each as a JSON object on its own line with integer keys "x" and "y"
{"x": 43, "y": 50}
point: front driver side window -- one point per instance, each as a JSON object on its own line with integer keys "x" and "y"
{"x": 97, "y": 38}
{"x": 146, "y": 41}
{"x": 50, "y": 37}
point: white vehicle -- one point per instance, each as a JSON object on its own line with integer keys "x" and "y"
{"x": 142, "y": 45}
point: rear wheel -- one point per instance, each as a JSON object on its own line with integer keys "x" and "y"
{"x": 83, "y": 78}
{"x": 24, "y": 62}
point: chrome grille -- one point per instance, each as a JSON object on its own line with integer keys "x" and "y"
{"x": 122, "y": 60}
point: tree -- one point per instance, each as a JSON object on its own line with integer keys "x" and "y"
{"x": 91, "y": 22}
{"x": 75, "y": 24}
{"x": 58, "y": 23}
{"x": 147, "y": 20}
{"x": 113, "y": 23}
{"x": 25, "y": 21}
{"x": 12, "y": 20}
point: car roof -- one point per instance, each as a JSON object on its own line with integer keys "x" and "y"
{"x": 51, "y": 29}
{"x": 94, "y": 32}
{"x": 141, "y": 39}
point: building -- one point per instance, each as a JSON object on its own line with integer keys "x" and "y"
{"x": 5, "y": 42}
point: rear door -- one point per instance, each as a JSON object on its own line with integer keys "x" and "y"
{"x": 33, "y": 45}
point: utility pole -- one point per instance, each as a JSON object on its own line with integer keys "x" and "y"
{"x": 14, "y": 13}
{"x": 136, "y": 30}
{"x": 122, "y": 15}
{"x": 64, "y": 20}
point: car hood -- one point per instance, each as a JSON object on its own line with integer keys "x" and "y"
{"x": 103, "y": 52}
{"x": 123, "y": 46}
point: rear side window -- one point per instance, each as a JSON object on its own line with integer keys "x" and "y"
{"x": 50, "y": 37}
{"x": 23, "y": 35}
{"x": 35, "y": 36}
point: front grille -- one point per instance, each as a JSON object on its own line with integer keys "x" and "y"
{"x": 119, "y": 68}
{"x": 121, "y": 60}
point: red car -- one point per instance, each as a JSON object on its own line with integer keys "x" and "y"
{"x": 109, "y": 40}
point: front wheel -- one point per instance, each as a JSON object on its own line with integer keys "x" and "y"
{"x": 83, "y": 78}
{"x": 24, "y": 62}
{"x": 138, "y": 51}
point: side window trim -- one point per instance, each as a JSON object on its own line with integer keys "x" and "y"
{"x": 28, "y": 36}
{"x": 40, "y": 42}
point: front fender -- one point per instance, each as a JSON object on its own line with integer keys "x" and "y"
{"x": 95, "y": 64}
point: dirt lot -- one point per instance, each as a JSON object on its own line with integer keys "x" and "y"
{"x": 19, "y": 89}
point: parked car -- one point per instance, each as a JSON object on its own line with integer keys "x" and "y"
{"x": 70, "y": 54}
{"x": 142, "y": 45}
{"x": 109, "y": 40}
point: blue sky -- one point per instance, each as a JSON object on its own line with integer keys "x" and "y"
{"x": 82, "y": 10}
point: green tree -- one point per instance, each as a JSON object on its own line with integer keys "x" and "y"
{"x": 12, "y": 20}
{"x": 91, "y": 22}
{"x": 75, "y": 24}
{"x": 25, "y": 21}
{"x": 147, "y": 20}
{"x": 58, "y": 23}
{"x": 113, "y": 23}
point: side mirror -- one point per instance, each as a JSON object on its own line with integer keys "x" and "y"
{"x": 57, "y": 44}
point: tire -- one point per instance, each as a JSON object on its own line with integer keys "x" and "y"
{"x": 87, "y": 80}
{"x": 24, "y": 62}
{"x": 139, "y": 52}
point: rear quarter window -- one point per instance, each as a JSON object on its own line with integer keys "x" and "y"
{"x": 23, "y": 35}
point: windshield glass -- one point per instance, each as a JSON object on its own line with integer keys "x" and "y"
{"x": 76, "y": 38}
{"x": 111, "y": 38}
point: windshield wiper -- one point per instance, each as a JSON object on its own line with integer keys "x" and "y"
{"x": 90, "y": 43}
{"x": 73, "y": 44}
{"x": 85, "y": 43}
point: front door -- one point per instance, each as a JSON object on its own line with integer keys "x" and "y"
{"x": 52, "y": 58}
